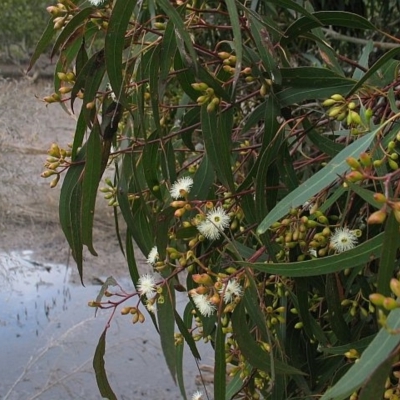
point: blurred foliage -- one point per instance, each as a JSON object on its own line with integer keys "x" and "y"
{"x": 21, "y": 23}
{"x": 256, "y": 150}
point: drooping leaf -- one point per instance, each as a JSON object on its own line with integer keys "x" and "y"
{"x": 166, "y": 324}
{"x": 219, "y": 364}
{"x": 114, "y": 45}
{"x": 100, "y": 371}
{"x": 90, "y": 183}
{"x": 371, "y": 359}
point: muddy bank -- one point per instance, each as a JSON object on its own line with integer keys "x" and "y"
{"x": 50, "y": 332}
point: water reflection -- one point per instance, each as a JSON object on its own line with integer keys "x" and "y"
{"x": 48, "y": 336}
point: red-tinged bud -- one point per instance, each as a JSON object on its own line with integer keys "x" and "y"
{"x": 365, "y": 159}
{"x": 203, "y": 279}
{"x": 378, "y": 217}
{"x": 395, "y": 287}
{"x": 355, "y": 176}
{"x": 353, "y": 163}
{"x": 380, "y": 197}
{"x": 390, "y": 304}
{"x": 178, "y": 203}
{"x": 377, "y": 299}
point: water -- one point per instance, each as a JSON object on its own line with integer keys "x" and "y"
{"x": 48, "y": 336}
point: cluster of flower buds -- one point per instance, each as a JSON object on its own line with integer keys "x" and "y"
{"x": 57, "y": 158}
{"x": 208, "y": 97}
{"x": 137, "y": 314}
{"x": 388, "y": 303}
{"x": 61, "y": 15}
{"x": 68, "y": 79}
{"x": 341, "y": 110}
{"x": 229, "y": 61}
{"x": 110, "y": 193}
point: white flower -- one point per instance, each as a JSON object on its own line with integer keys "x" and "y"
{"x": 153, "y": 256}
{"x": 197, "y": 395}
{"x": 231, "y": 290}
{"x": 95, "y": 2}
{"x": 216, "y": 221}
{"x": 343, "y": 239}
{"x": 181, "y": 187}
{"x": 204, "y": 305}
{"x": 147, "y": 285}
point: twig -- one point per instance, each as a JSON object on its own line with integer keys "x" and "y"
{"x": 335, "y": 35}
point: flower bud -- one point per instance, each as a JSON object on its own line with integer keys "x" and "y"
{"x": 329, "y": 102}
{"x": 355, "y": 176}
{"x": 338, "y": 97}
{"x": 395, "y": 287}
{"x": 376, "y": 299}
{"x": 365, "y": 159}
{"x": 390, "y": 304}
{"x": 353, "y": 163}
{"x": 203, "y": 279}
{"x": 335, "y": 111}
{"x": 201, "y": 87}
{"x": 223, "y": 55}
{"x": 377, "y": 217}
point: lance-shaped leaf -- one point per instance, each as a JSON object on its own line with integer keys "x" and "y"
{"x": 99, "y": 368}
{"x": 317, "y": 182}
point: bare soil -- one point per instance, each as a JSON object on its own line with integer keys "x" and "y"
{"x": 28, "y": 207}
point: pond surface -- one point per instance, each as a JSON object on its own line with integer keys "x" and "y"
{"x": 48, "y": 336}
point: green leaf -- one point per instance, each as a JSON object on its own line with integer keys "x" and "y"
{"x": 317, "y": 182}
{"x": 265, "y": 49}
{"x": 374, "y": 387}
{"x": 325, "y": 144}
{"x": 251, "y": 351}
{"x": 90, "y": 184}
{"x": 335, "y": 309}
{"x": 110, "y": 281}
{"x": 166, "y": 324}
{"x": 114, "y": 45}
{"x": 365, "y": 194}
{"x": 43, "y": 43}
{"x": 217, "y": 140}
{"x": 377, "y": 352}
{"x": 289, "y": 96}
{"x": 180, "y": 32}
{"x": 234, "y": 386}
{"x": 237, "y": 37}
{"x": 388, "y": 255}
{"x": 363, "y": 253}
{"x": 89, "y": 78}
{"x": 335, "y": 18}
{"x": 98, "y": 365}
{"x": 219, "y": 364}
{"x": 184, "y": 330}
{"x": 70, "y": 209}
{"x": 312, "y": 78}
{"x": 375, "y": 67}
{"x": 130, "y": 258}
